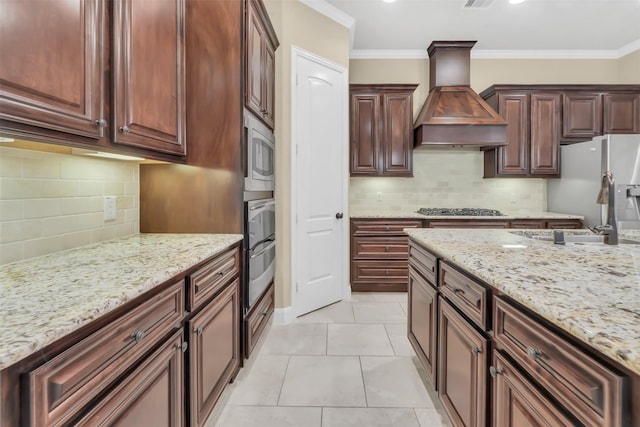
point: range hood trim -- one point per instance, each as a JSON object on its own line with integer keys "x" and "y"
{"x": 454, "y": 114}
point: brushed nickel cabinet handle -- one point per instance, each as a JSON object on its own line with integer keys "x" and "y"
{"x": 138, "y": 336}
{"x": 476, "y": 350}
{"x": 198, "y": 331}
{"x": 101, "y": 123}
{"x": 533, "y": 353}
{"x": 494, "y": 371}
{"x": 183, "y": 346}
{"x": 124, "y": 129}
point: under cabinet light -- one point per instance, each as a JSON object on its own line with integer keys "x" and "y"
{"x": 104, "y": 155}
{"x": 5, "y": 139}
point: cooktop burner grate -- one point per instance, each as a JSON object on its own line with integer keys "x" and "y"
{"x": 459, "y": 212}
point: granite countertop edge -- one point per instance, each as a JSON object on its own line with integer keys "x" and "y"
{"x": 415, "y": 215}
{"x": 605, "y": 319}
{"x": 49, "y": 297}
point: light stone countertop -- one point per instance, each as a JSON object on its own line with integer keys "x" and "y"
{"x": 590, "y": 290}
{"x": 364, "y": 214}
{"x": 45, "y": 298}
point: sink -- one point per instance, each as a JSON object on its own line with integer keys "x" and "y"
{"x": 579, "y": 237}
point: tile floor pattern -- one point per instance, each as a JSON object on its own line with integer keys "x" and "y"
{"x": 348, "y": 364}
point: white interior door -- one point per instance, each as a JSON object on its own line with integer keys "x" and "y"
{"x": 319, "y": 112}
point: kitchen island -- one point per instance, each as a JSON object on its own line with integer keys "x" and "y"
{"x": 582, "y": 297}
{"x": 83, "y": 328}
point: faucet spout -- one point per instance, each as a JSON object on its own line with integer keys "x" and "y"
{"x": 607, "y": 196}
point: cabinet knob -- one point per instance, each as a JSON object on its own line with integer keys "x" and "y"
{"x": 198, "y": 331}
{"x": 101, "y": 123}
{"x": 221, "y": 273}
{"x": 386, "y": 248}
{"x": 458, "y": 291}
{"x": 138, "y": 336}
{"x": 494, "y": 371}
{"x": 183, "y": 346}
{"x": 476, "y": 350}
{"x": 533, "y": 353}
{"x": 124, "y": 129}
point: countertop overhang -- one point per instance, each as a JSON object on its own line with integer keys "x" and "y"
{"x": 364, "y": 214}
{"x": 46, "y": 298}
{"x": 591, "y": 291}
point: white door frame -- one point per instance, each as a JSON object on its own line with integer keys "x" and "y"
{"x": 295, "y": 256}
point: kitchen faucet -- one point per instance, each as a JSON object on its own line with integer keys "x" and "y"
{"x": 607, "y": 196}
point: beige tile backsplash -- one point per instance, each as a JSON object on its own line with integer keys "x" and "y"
{"x": 52, "y": 202}
{"x": 448, "y": 178}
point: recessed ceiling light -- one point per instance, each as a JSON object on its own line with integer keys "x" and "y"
{"x": 516, "y": 1}
{"x": 388, "y": 1}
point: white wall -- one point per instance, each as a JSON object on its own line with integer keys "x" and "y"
{"x": 51, "y": 202}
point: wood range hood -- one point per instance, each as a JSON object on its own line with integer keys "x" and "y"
{"x": 453, "y": 113}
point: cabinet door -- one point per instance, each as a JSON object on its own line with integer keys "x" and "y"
{"x": 149, "y": 75}
{"x": 581, "y": 115}
{"x": 214, "y": 352}
{"x": 423, "y": 321}
{"x": 462, "y": 368}
{"x": 545, "y": 134}
{"x": 152, "y": 395}
{"x": 622, "y": 113}
{"x": 397, "y": 134}
{"x": 52, "y": 72}
{"x": 513, "y": 159}
{"x": 255, "y": 45}
{"x": 365, "y": 134}
{"x": 269, "y": 76}
{"x": 517, "y": 402}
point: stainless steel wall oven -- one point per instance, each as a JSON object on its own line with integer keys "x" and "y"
{"x": 260, "y": 247}
{"x": 260, "y": 152}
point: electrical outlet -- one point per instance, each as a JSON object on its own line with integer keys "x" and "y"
{"x": 379, "y": 196}
{"x": 109, "y": 208}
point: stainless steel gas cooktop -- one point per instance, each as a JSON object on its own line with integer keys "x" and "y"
{"x": 459, "y": 212}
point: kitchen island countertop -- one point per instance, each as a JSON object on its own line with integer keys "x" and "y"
{"x": 591, "y": 291}
{"x": 43, "y": 299}
{"x": 365, "y": 214}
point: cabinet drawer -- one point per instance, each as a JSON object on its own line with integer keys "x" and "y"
{"x": 467, "y": 295}
{"x": 211, "y": 278}
{"x": 380, "y": 247}
{"x": 591, "y": 391}
{"x": 62, "y": 386}
{"x": 378, "y": 271}
{"x": 424, "y": 262}
{"x": 467, "y": 224}
{"x": 257, "y": 320}
{"x": 382, "y": 227}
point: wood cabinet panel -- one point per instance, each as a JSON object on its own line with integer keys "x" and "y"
{"x": 62, "y": 386}
{"x": 466, "y": 294}
{"x": 152, "y": 395}
{"x": 462, "y": 368}
{"x": 382, "y": 227}
{"x": 214, "y": 355}
{"x": 423, "y": 262}
{"x": 208, "y": 280}
{"x": 513, "y": 159}
{"x": 528, "y": 224}
{"x": 149, "y": 75}
{"x": 621, "y": 113}
{"x": 559, "y": 223}
{"x": 381, "y": 129}
{"x": 379, "y": 271}
{"x": 445, "y": 223}
{"x": 595, "y": 394}
{"x": 61, "y": 89}
{"x": 423, "y": 322}
{"x": 518, "y": 403}
{"x": 257, "y": 320}
{"x": 545, "y": 134}
{"x": 380, "y": 247}
{"x": 581, "y": 115}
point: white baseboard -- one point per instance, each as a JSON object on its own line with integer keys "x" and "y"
{"x": 282, "y": 316}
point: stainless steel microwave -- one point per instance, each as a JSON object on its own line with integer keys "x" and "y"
{"x": 260, "y": 152}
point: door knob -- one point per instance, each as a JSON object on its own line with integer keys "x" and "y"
{"x": 339, "y": 215}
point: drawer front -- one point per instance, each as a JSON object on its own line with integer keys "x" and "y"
{"x": 467, "y": 224}
{"x": 380, "y": 271}
{"x": 467, "y": 295}
{"x": 258, "y": 319}
{"x": 564, "y": 224}
{"x": 380, "y": 247}
{"x": 382, "y": 227}
{"x": 62, "y": 386}
{"x": 591, "y": 391}
{"x": 211, "y": 278}
{"x": 528, "y": 224}
{"x": 424, "y": 262}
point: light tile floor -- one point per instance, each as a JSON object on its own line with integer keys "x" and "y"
{"x": 348, "y": 364}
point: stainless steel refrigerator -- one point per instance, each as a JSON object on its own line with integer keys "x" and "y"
{"x": 582, "y": 166}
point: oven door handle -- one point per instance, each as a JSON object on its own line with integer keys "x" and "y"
{"x": 253, "y": 208}
{"x": 270, "y": 238}
{"x": 271, "y": 245}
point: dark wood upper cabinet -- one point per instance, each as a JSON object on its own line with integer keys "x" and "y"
{"x": 513, "y": 159}
{"x": 622, "y": 112}
{"x": 381, "y": 129}
{"x": 261, "y": 45}
{"x": 51, "y": 75}
{"x": 545, "y": 135}
{"x": 149, "y": 75}
{"x": 581, "y": 115}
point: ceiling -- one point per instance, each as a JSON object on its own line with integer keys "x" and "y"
{"x": 535, "y": 28}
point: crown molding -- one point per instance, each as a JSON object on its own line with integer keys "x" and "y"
{"x": 388, "y": 54}
{"x": 331, "y": 12}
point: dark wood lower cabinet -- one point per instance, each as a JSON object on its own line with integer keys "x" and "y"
{"x": 257, "y": 319}
{"x": 423, "y": 321}
{"x": 214, "y": 352}
{"x": 152, "y": 395}
{"x": 518, "y": 403}
{"x": 462, "y": 368}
